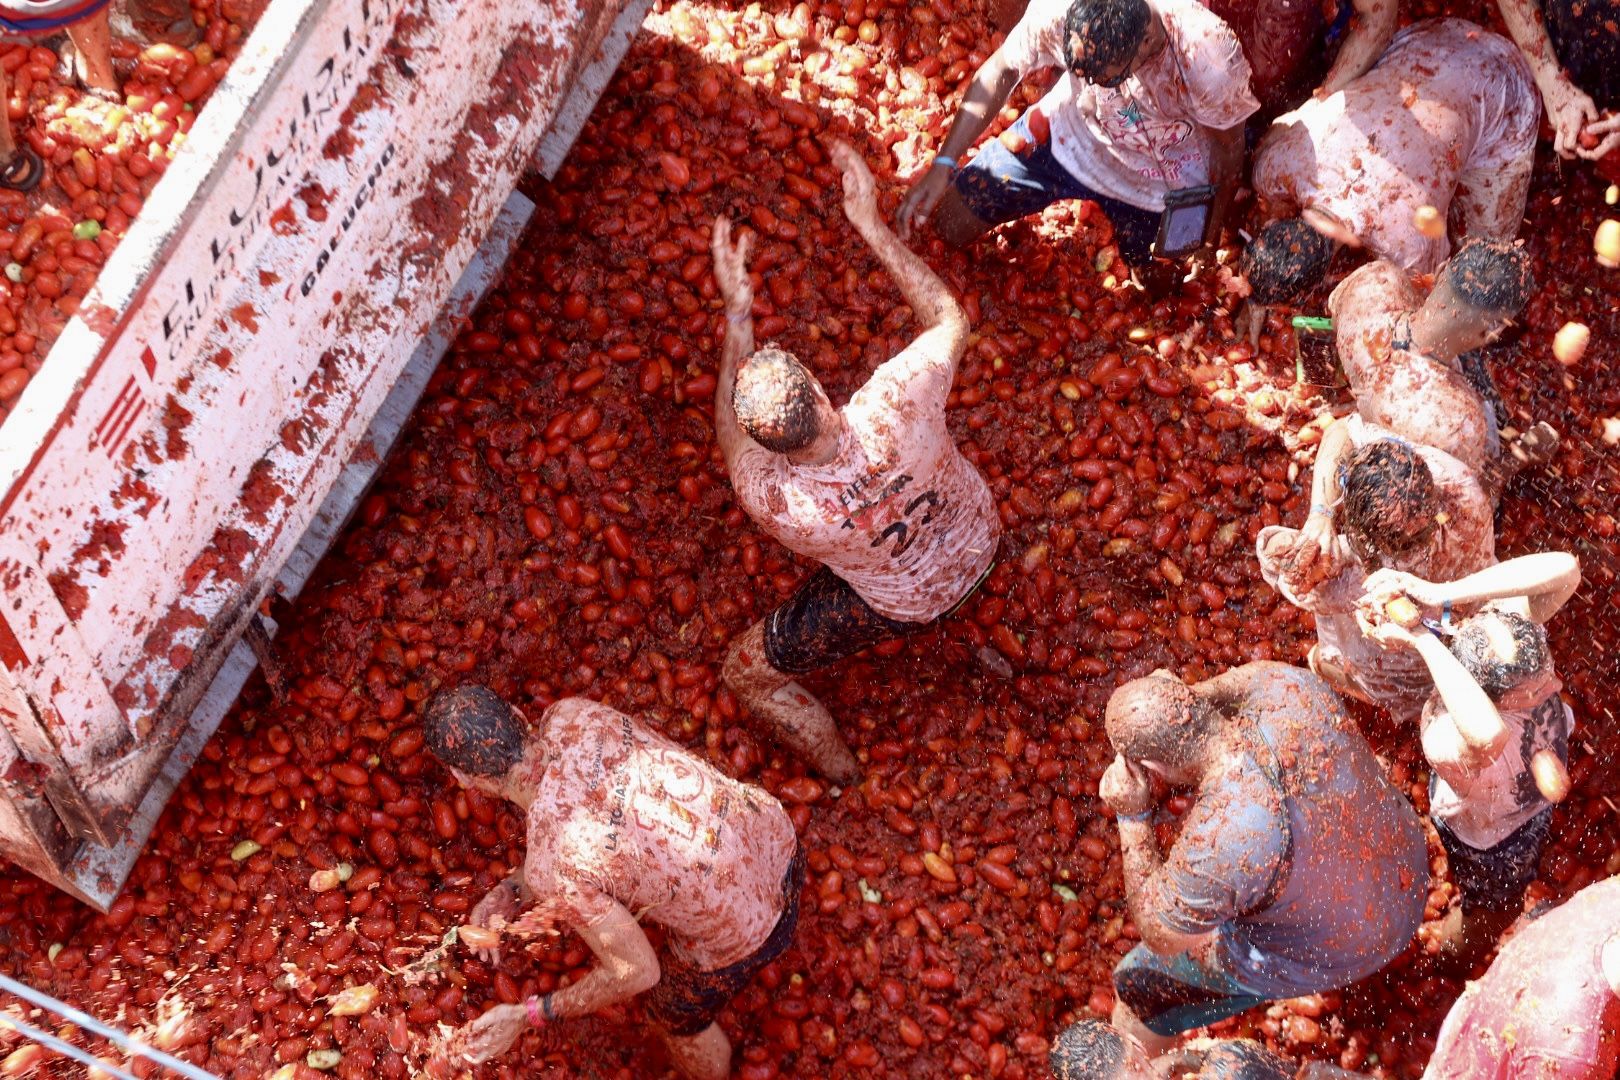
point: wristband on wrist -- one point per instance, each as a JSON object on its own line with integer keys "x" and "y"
{"x": 1445, "y": 616}
{"x": 546, "y": 1010}
{"x": 1145, "y": 815}
{"x": 948, "y": 162}
{"x": 1319, "y": 509}
{"x": 739, "y": 320}
{"x": 532, "y": 1007}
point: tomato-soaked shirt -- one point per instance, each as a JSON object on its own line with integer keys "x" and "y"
{"x": 898, "y": 513}
{"x": 1149, "y": 135}
{"x": 1282, "y": 40}
{"x": 1421, "y": 399}
{"x": 1449, "y": 111}
{"x": 1543, "y": 1011}
{"x": 1300, "y": 855}
{"x": 1394, "y": 678}
{"x": 623, "y": 814}
{"x": 1483, "y": 807}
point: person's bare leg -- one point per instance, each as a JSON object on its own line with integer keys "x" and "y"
{"x": 1335, "y": 676}
{"x": 1474, "y": 935}
{"x": 955, "y": 223}
{"x": 92, "y": 44}
{"x": 1125, "y": 1022}
{"x": 704, "y": 1056}
{"x": 799, "y": 719}
{"x": 8, "y": 141}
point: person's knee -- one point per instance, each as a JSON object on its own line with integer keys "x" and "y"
{"x": 703, "y": 1056}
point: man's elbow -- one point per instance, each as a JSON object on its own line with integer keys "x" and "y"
{"x": 641, "y": 975}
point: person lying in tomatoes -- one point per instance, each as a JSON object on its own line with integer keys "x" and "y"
{"x": 621, "y": 821}
{"x": 1298, "y": 868}
{"x": 876, "y": 491}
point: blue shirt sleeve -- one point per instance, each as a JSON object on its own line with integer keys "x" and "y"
{"x": 1231, "y": 848}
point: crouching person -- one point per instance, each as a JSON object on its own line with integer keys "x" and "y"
{"x": 621, "y": 820}
{"x": 1093, "y": 1050}
{"x": 1298, "y": 868}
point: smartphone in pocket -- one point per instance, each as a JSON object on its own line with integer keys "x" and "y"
{"x": 1184, "y": 221}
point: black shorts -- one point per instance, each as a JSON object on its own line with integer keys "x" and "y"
{"x": 1495, "y": 879}
{"x": 826, "y": 621}
{"x": 687, "y": 1000}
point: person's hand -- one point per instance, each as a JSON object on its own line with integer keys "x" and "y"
{"x": 1386, "y": 633}
{"x": 860, "y": 191}
{"x": 1126, "y": 787}
{"x": 731, "y": 267}
{"x": 1316, "y": 551}
{"x": 1382, "y": 586}
{"x": 918, "y": 205}
{"x": 494, "y": 911}
{"x": 1233, "y": 283}
{"x": 1569, "y": 111}
{"x": 492, "y": 1034}
{"x": 1600, "y": 137}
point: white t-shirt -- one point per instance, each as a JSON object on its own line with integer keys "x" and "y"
{"x": 1149, "y": 135}
{"x": 1450, "y": 110}
{"x": 1395, "y": 678}
{"x": 898, "y": 513}
{"x": 623, "y": 814}
{"x": 1419, "y": 398}
{"x": 1483, "y": 808}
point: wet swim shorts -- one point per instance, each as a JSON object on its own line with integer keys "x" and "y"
{"x": 1172, "y": 994}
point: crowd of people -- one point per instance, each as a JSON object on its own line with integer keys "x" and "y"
{"x": 1298, "y": 867}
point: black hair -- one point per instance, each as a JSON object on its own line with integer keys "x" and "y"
{"x": 1286, "y": 261}
{"x": 1109, "y": 33}
{"x": 775, "y": 401}
{"x": 1497, "y": 674}
{"x": 1243, "y": 1059}
{"x": 470, "y": 729}
{"x": 1086, "y": 1050}
{"x": 1491, "y": 275}
{"x": 1389, "y": 498}
{"x": 1158, "y": 719}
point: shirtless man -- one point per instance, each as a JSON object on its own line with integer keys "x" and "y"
{"x": 621, "y": 821}
{"x": 1377, "y": 502}
{"x": 1447, "y": 118}
{"x": 1402, "y": 353}
{"x": 1153, "y": 98}
{"x": 905, "y": 528}
{"x": 1492, "y": 811}
{"x": 1550, "y": 1004}
{"x": 1289, "y": 875}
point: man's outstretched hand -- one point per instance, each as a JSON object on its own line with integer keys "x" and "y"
{"x": 731, "y": 267}
{"x": 860, "y": 190}
{"x": 918, "y": 205}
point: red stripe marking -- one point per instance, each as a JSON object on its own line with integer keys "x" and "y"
{"x": 11, "y": 650}
{"x": 140, "y": 407}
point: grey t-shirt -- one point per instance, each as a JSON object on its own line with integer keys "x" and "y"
{"x": 1302, "y": 857}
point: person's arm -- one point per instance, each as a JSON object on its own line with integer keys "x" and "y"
{"x": 945, "y": 327}
{"x": 731, "y": 274}
{"x": 986, "y": 94}
{"x": 1469, "y": 711}
{"x": 1371, "y": 29}
{"x": 1225, "y": 172}
{"x": 1127, "y": 789}
{"x": 1569, "y": 109}
{"x": 1546, "y": 580}
{"x": 626, "y": 966}
{"x": 1317, "y": 539}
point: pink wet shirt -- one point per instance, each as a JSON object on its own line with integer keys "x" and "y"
{"x": 1421, "y": 399}
{"x": 623, "y": 814}
{"x": 898, "y": 513}
{"x": 1449, "y": 111}
{"x": 1149, "y": 135}
{"x": 1543, "y": 1011}
{"x": 1394, "y": 678}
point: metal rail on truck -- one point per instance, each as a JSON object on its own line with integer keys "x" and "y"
{"x": 191, "y": 422}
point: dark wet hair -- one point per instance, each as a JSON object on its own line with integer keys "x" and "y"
{"x": 1495, "y": 673}
{"x": 1086, "y": 1050}
{"x": 1491, "y": 275}
{"x": 470, "y": 729}
{"x": 1243, "y": 1059}
{"x": 1111, "y": 33}
{"x": 775, "y": 401}
{"x": 1158, "y": 719}
{"x": 1286, "y": 261}
{"x": 1389, "y": 498}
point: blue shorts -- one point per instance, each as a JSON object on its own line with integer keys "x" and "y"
{"x": 34, "y": 19}
{"x": 1000, "y": 186}
{"x": 1172, "y": 994}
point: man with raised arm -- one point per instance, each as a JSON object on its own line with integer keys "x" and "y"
{"x": 1492, "y": 810}
{"x": 1377, "y": 501}
{"x": 622, "y": 825}
{"x": 1298, "y": 868}
{"x": 1153, "y": 98}
{"x": 876, "y": 491}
